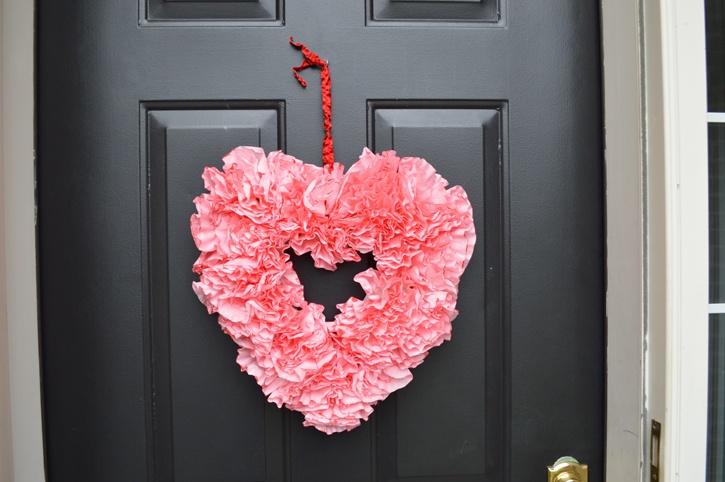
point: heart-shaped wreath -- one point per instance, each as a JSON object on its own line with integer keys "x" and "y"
{"x": 421, "y": 236}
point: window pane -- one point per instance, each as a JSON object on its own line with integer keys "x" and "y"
{"x": 717, "y": 212}
{"x": 715, "y": 25}
{"x": 716, "y": 411}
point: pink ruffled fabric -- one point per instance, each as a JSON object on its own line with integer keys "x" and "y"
{"x": 420, "y": 234}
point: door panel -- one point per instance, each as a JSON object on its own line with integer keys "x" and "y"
{"x": 434, "y": 12}
{"x": 135, "y": 99}
{"x": 241, "y": 12}
{"x": 435, "y": 432}
{"x": 195, "y": 393}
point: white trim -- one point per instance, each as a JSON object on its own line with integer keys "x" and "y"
{"x": 678, "y": 234}
{"x": 687, "y": 205}
{"x": 716, "y": 308}
{"x": 623, "y": 105}
{"x": 18, "y": 126}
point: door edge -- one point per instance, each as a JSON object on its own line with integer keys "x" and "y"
{"x": 624, "y": 107}
{"x": 19, "y": 320}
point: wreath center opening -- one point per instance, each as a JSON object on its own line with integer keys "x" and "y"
{"x": 330, "y": 288}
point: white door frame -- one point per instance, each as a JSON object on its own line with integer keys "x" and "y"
{"x": 656, "y": 175}
{"x": 657, "y": 236}
{"x": 677, "y": 231}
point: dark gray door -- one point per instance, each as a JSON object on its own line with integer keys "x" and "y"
{"x": 136, "y": 97}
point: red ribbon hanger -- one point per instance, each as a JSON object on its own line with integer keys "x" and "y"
{"x": 313, "y": 60}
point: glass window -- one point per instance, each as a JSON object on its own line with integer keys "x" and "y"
{"x": 716, "y": 405}
{"x": 716, "y": 134}
{"x": 715, "y": 27}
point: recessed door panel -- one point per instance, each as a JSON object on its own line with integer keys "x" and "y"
{"x": 241, "y": 12}
{"x": 481, "y": 12}
{"x": 208, "y": 420}
{"x": 436, "y": 434}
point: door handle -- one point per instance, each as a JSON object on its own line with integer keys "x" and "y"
{"x": 568, "y": 469}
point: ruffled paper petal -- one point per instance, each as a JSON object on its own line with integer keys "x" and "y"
{"x": 420, "y": 233}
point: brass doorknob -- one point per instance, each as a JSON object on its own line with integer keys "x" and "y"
{"x": 568, "y": 469}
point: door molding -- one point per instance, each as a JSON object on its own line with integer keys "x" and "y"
{"x": 639, "y": 203}
{"x": 676, "y": 363}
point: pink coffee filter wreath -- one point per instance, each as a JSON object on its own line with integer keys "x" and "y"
{"x": 421, "y": 236}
